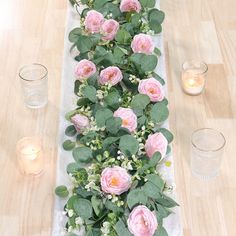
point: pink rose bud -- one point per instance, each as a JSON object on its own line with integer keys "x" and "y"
{"x": 80, "y": 122}
{"x": 115, "y": 180}
{"x": 142, "y": 222}
{"x": 84, "y": 69}
{"x": 130, "y": 5}
{"x": 156, "y": 143}
{"x": 110, "y": 29}
{"x": 93, "y": 21}
{"x": 142, "y": 43}
{"x": 128, "y": 117}
{"x": 152, "y": 88}
{"x": 111, "y": 75}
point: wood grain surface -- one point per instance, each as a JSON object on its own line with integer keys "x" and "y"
{"x": 33, "y": 31}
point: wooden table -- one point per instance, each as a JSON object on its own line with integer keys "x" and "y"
{"x": 33, "y": 31}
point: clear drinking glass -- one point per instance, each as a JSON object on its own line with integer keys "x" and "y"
{"x": 34, "y": 83}
{"x": 207, "y": 146}
{"x": 194, "y": 77}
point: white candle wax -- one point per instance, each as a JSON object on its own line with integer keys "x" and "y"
{"x": 30, "y": 156}
{"x": 192, "y": 82}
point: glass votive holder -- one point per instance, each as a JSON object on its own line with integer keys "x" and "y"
{"x": 207, "y": 147}
{"x": 30, "y": 155}
{"x": 34, "y": 83}
{"x": 194, "y": 77}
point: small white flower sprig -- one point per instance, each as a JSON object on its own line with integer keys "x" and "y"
{"x": 116, "y": 121}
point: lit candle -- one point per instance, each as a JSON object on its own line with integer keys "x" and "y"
{"x": 193, "y": 77}
{"x": 29, "y": 154}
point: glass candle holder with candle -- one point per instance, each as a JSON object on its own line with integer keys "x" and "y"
{"x": 30, "y": 155}
{"x": 194, "y": 77}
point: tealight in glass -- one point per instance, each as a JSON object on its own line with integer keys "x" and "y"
{"x": 194, "y": 77}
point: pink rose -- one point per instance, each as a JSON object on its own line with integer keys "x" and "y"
{"x": 109, "y": 29}
{"x": 80, "y": 122}
{"x": 142, "y": 222}
{"x": 115, "y": 180}
{"x": 130, "y": 5}
{"x": 156, "y": 143}
{"x": 93, "y": 21}
{"x": 111, "y": 75}
{"x": 84, "y": 69}
{"x": 128, "y": 117}
{"x": 142, "y": 43}
{"x": 152, "y": 88}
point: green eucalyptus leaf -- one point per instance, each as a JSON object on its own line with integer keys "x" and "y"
{"x": 166, "y": 201}
{"x": 168, "y": 135}
{"x": 102, "y": 115}
{"x": 140, "y": 101}
{"x": 68, "y": 145}
{"x": 121, "y": 229}
{"x": 158, "y": 78}
{"x": 113, "y": 99}
{"x": 159, "y": 113}
{"x": 82, "y": 154}
{"x": 70, "y": 131}
{"x": 136, "y": 196}
{"x": 148, "y": 3}
{"x": 83, "y": 208}
{"x": 113, "y": 124}
{"x": 73, "y": 168}
{"x": 156, "y": 15}
{"x": 160, "y": 231}
{"x": 75, "y": 34}
{"x": 123, "y": 37}
{"x": 128, "y": 145}
{"x": 151, "y": 190}
{"x": 99, "y": 3}
{"x": 90, "y": 92}
{"x": 113, "y": 207}
{"x": 61, "y": 191}
{"x": 97, "y": 205}
{"x": 108, "y": 141}
{"x": 156, "y": 180}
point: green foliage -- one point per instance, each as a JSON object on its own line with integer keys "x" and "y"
{"x": 61, "y": 191}
{"x": 140, "y": 101}
{"x": 83, "y": 208}
{"x": 113, "y": 124}
{"x": 121, "y": 229}
{"x": 102, "y": 115}
{"x": 70, "y": 131}
{"x": 123, "y": 37}
{"x": 144, "y": 63}
{"x": 82, "y": 154}
{"x": 128, "y": 145}
{"x": 90, "y": 92}
{"x": 68, "y": 145}
{"x": 159, "y": 112}
{"x": 136, "y": 196}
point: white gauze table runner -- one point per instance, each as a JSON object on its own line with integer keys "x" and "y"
{"x": 68, "y": 102}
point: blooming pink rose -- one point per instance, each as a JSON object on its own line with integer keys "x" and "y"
{"x": 130, "y": 5}
{"x": 128, "y": 117}
{"x": 80, "y": 122}
{"x": 142, "y": 222}
{"x": 156, "y": 143}
{"x": 111, "y": 75}
{"x": 84, "y": 69}
{"x": 115, "y": 180}
{"x": 109, "y": 29}
{"x": 152, "y": 88}
{"x": 93, "y": 21}
{"x": 142, "y": 43}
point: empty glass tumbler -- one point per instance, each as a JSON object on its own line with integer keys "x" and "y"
{"x": 34, "y": 83}
{"x": 207, "y": 146}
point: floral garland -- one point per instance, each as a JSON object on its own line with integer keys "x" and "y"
{"x": 117, "y": 139}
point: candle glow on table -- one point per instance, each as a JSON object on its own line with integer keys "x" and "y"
{"x": 193, "y": 77}
{"x": 29, "y": 154}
